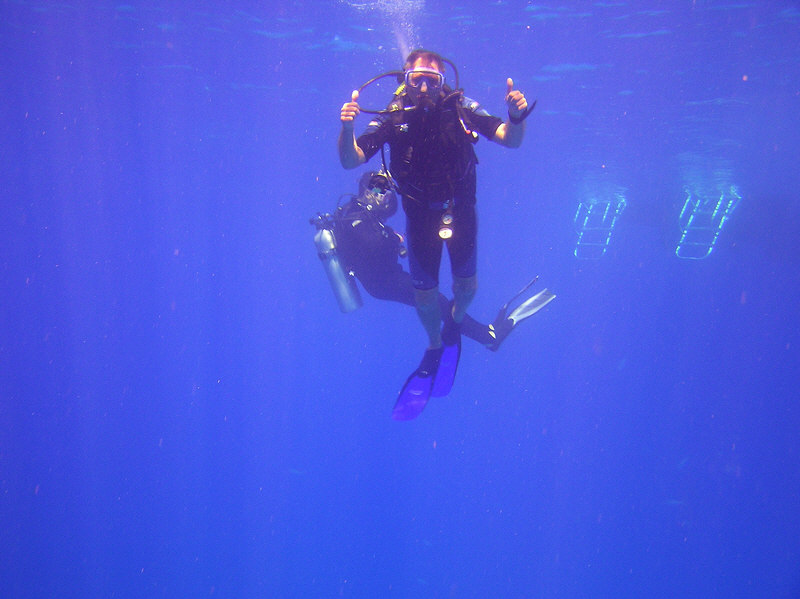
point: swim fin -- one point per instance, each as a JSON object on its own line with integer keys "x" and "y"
{"x": 448, "y": 363}
{"x": 504, "y": 324}
{"x": 531, "y": 306}
{"x": 416, "y": 391}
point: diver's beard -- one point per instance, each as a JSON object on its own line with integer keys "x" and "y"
{"x": 424, "y": 101}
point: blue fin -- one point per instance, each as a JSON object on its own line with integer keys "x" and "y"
{"x": 448, "y": 363}
{"x": 417, "y": 390}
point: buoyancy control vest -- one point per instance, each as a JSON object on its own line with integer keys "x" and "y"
{"x": 432, "y": 153}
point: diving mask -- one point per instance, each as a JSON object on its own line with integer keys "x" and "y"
{"x": 431, "y": 77}
{"x": 377, "y": 195}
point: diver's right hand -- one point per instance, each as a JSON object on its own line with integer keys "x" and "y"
{"x": 350, "y": 111}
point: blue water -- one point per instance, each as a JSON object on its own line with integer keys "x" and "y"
{"x": 184, "y": 412}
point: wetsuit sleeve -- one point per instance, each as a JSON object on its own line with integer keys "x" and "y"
{"x": 479, "y": 120}
{"x": 376, "y": 134}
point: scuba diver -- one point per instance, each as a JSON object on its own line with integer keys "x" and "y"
{"x": 431, "y": 130}
{"x": 355, "y": 242}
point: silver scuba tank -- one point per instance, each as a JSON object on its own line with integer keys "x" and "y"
{"x": 343, "y": 282}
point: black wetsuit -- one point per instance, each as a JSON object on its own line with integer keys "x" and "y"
{"x": 433, "y": 162}
{"x": 372, "y": 250}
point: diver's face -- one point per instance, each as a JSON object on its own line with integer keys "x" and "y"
{"x": 424, "y": 88}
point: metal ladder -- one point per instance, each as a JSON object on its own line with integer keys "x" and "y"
{"x": 594, "y": 222}
{"x": 701, "y": 222}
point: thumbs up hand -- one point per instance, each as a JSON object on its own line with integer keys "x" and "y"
{"x": 515, "y": 99}
{"x": 350, "y": 110}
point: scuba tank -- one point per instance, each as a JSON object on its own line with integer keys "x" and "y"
{"x": 343, "y": 282}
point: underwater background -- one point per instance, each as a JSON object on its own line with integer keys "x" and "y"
{"x": 184, "y": 411}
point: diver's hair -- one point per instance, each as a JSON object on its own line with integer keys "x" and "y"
{"x": 427, "y": 56}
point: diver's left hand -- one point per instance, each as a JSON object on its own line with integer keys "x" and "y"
{"x": 515, "y": 99}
